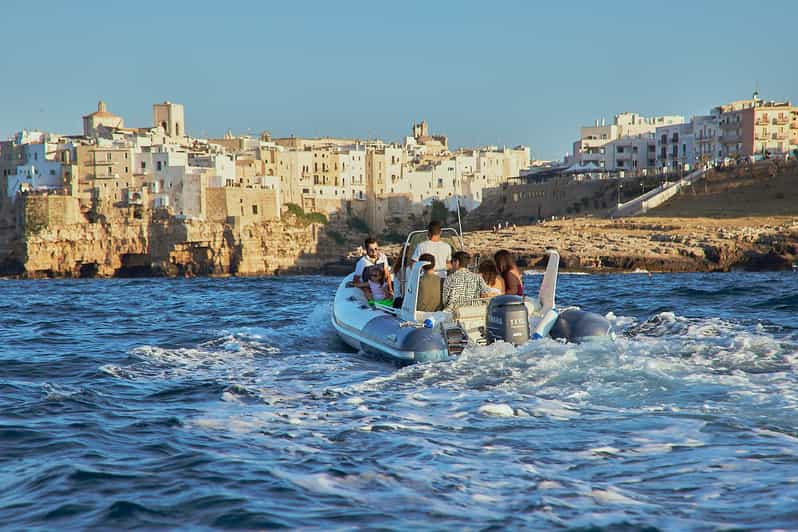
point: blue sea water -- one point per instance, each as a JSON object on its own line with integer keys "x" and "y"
{"x": 230, "y": 403}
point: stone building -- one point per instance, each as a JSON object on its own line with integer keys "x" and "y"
{"x": 92, "y": 122}
{"x": 170, "y": 117}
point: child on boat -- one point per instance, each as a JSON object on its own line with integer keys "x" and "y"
{"x": 378, "y": 290}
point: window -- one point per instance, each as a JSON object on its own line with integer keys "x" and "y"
{"x": 158, "y": 166}
{"x": 254, "y": 209}
{"x": 143, "y": 165}
{"x": 108, "y": 156}
{"x": 620, "y": 149}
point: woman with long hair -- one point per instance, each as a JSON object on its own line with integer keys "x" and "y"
{"x": 489, "y": 272}
{"x": 513, "y": 280}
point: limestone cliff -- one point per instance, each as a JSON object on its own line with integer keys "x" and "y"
{"x": 167, "y": 247}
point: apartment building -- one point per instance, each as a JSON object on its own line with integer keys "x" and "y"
{"x": 632, "y": 154}
{"x": 675, "y": 147}
{"x": 757, "y": 127}
{"x": 706, "y": 138}
{"x": 592, "y": 146}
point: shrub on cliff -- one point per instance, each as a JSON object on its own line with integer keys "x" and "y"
{"x": 305, "y": 218}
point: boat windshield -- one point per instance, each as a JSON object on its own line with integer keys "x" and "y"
{"x": 448, "y": 235}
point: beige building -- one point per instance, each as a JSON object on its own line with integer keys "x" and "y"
{"x": 757, "y": 127}
{"x": 170, "y": 117}
{"x": 241, "y": 205}
{"x": 103, "y": 173}
{"x": 101, "y": 117}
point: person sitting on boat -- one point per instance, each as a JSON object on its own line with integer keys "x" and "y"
{"x": 372, "y": 257}
{"x": 436, "y": 247}
{"x": 430, "y": 286}
{"x": 462, "y": 287}
{"x": 377, "y": 288}
{"x": 513, "y": 281}
{"x": 495, "y": 282}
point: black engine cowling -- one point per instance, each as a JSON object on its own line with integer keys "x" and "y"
{"x": 508, "y": 320}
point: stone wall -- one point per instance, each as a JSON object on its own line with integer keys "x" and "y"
{"x": 245, "y": 204}
{"x": 48, "y": 211}
{"x": 527, "y": 203}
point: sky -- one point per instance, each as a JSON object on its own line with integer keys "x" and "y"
{"x": 483, "y": 73}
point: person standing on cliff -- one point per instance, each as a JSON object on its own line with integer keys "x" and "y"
{"x": 372, "y": 257}
{"x": 435, "y": 247}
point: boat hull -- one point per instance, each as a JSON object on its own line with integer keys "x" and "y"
{"x": 376, "y": 332}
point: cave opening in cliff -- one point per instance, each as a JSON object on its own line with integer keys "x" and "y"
{"x": 88, "y": 270}
{"x": 135, "y": 265}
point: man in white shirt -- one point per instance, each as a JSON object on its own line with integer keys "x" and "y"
{"x": 372, "y": 257}
{"x": 435, "y": 247}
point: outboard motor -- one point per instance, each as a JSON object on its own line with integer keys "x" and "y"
{"x": 508, "y": 320}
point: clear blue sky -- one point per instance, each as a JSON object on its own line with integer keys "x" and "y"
{"x": 501, "y": 72}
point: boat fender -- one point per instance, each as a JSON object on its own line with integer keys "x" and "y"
{"x": 429, "y": 323}
{"x": 545, "y": 324}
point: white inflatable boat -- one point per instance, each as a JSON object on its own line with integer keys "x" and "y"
{"x": 407, "y": 335}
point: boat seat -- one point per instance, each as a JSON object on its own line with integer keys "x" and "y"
{"x": 473, "y": 318}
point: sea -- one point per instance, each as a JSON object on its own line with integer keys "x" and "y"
{"x": 229, "y": 403}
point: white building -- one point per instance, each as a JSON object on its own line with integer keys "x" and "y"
{"x": 632, "y": 155}
{"x": 675, "y": 147}
{"x": 592, "y": 144}
{"x": 40, "y": 171}
{"x": 706, "y": 136}
{"x": 170, "y": 117}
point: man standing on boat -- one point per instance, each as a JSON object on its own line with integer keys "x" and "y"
{"x": 372, "y": 257}
{"x": 435, "y": 247}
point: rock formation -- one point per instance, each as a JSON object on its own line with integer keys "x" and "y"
{"x": 169, "y": 247}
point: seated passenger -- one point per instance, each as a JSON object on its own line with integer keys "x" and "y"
{"x": 462, "y": 287}
{"x": 489, "y": 272}
{"x": 430, "y": 286}
{"x": 372, "y": 257}
{"x": 377, "y": 289}
{"x": 513, "y": 279}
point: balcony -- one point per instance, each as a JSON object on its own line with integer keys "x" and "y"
{"x": 761, "y": 135}
{"x": 783, "y": 121}
{"x": 794, "y": 125}
{"x": 761, "y": 122}
{"x": 781, "y": 136}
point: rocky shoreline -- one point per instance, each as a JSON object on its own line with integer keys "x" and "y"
{"x": 591, "y": 245}
{"x": 652, "y": 244}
